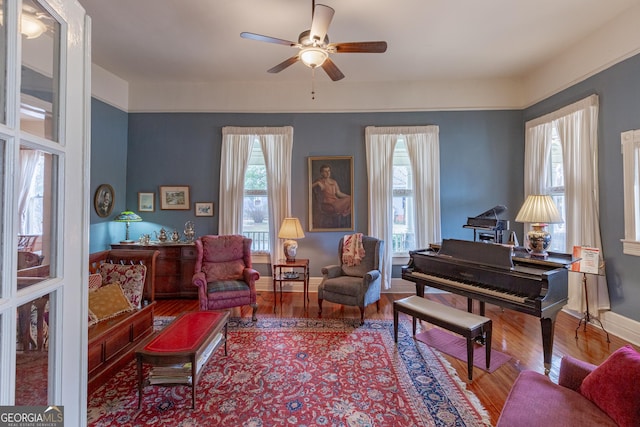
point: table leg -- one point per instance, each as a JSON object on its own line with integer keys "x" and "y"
{"x": 140, "y": 379}
{"x": 274, "y": 289}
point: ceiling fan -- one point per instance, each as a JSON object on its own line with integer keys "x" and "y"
{"x": 315, "y": 47}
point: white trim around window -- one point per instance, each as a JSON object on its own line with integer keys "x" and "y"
{"x": 630, "y": 141}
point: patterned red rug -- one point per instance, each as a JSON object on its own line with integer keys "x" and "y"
{"x": 303, "y": 372}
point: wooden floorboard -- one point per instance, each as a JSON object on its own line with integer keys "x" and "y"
{"x": 514, "y": 333}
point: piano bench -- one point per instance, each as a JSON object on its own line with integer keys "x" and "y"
{"x": 469, "y": 325}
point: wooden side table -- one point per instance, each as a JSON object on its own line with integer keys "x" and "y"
{"x": 294, "y": 271}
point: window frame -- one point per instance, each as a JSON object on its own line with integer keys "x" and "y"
{"x": 630, "y": 147}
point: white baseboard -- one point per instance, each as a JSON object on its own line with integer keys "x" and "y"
{"x": 398, "y": 286}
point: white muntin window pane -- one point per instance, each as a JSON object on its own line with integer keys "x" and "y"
{"x": 255, "y": 224}
{"x": 40, "y": 82}
{"x": 403, "y": 203}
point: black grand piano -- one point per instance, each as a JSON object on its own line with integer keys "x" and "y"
{"x": 496, "y": 274}
{"x": 490, "y": 225}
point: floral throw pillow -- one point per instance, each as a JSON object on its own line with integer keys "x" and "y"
{"x": 95, "y": 281}
{"x": 130, "y": 278}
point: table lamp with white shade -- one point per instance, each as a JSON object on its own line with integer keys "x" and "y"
{"x": 290, "y": 230}
{"x": 539, "y": 210}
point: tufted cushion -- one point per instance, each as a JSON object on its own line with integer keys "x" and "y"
{"x": 108, "y": 301}
{"x": 130, "y": 277}
{"x": 95, "y": 281}
{"x": 614, "y": 386}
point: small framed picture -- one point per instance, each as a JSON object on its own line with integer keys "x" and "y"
{"x": 175, "y": 197}
{"x": 103, "y": 200}
{"x": 204, "y": 209}
{"x": 146, "y": 202}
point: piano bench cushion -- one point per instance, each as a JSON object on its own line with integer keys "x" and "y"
{"x": 444, "y": 313}
{"x": 614, "y": 386}
{"x": 534, "y": 401}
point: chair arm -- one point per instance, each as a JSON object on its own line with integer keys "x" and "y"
{"x": 331, "y": 271}
{"x": 200, "y": 280}
{"x": 573, "y": 371}
{"x": 372, "y": 276}
{"x": 250, "y": 276}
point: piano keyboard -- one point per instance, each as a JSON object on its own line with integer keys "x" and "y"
{"x": 478, "y": 289}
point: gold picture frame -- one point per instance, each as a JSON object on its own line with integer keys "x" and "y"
{"x": 175, "y": 197}
{"x": 331, "y": 193}
{"x": 103, "y": 200}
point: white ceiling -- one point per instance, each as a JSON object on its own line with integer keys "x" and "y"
{"x": 199, "y": 40}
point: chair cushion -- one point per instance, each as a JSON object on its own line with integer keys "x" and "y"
{"x": 130, "y": 277}
{"x": 227, "y": 286}
{"x": 223, "y": 248}
{"x": 344, "y": 285}
{"x": 228, "y": 270}
{"x": 614, "y": 386}
{"x": 535, "y": 401}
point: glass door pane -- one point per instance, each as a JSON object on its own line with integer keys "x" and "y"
{"x": 39, "y": 91}
{"x": 3, "y": 64}
{"x": 32, "y": 352}
{"x": 36, "y": 195}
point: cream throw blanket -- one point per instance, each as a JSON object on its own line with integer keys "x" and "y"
{"x": 352, "y": 249}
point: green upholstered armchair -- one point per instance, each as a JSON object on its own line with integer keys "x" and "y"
{"x": 357, "y": 285}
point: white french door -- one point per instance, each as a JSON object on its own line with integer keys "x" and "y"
{"x": 44, "y": 204}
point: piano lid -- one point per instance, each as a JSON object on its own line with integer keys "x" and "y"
{"x": 491, "y": 219}
{"x": 490, "y": 254}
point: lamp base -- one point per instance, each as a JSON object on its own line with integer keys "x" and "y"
{"x": 290, "y": 250}
{"x": 538, "y": 240}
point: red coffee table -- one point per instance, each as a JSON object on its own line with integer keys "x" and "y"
{"x": 178, "y": 353}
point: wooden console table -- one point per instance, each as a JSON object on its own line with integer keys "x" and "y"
{"x": 179, "y": 352}
{"x": 174, "y": 268}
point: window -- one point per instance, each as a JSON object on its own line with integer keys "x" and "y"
{"x": 403, "y": 208}
{"x": 255, "y": 218}
{"x": 555, "y": 178}
{"x": 631, "y": 175}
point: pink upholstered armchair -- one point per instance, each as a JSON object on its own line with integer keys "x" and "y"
{"x": 223, "y": 273}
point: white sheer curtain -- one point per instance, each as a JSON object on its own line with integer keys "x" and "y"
{"x": 423, "y": 150}
{"x": 277, "y": 147}
{"x": 28, "y": 162}
{"x": 577, "y": 127}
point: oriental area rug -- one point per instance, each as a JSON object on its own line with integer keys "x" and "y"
{"x": 302, "y": 372}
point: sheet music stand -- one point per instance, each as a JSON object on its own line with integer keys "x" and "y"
{"x": 589, "y": 264}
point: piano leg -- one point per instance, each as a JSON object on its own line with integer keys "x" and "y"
{"x": 547, "y": 324}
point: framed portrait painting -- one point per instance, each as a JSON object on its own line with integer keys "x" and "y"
{"x": 330, "y": 193}
{"x": 175, "y": 198}
{"x": 146, "y": 202}
{"x": 103, "y": 200}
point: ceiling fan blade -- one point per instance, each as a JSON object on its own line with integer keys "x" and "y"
{"x": 332, "y": 70}
{"x": 261, "y": 38}
{"x": 322, "y": 16}
{"x": 284, "y": 64}
{"x": 363, "y": 47}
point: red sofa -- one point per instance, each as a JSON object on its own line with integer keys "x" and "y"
{"x": 586, "y": 394}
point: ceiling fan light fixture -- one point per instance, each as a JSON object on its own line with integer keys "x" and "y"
{"x": 31, "y": 26}
{"x": 313, "y": 57}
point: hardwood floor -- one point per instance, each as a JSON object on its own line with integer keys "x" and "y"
{"x": 514, "y": 333}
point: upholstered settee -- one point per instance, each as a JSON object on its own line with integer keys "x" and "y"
{"x": 586, "y": 394}
{"x": 121, "y": 304}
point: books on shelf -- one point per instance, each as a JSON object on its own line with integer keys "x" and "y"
{"x": 174, "y": 374}
{"x": 181, "y": 373}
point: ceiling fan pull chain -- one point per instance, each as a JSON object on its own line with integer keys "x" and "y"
{"x": 313, "y": 83}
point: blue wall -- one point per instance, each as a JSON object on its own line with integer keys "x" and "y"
{"x": 108, "y": 166}
{"x": 184, "y": 149}
{"x": 481, "y": 166}
{"x": 618, "y": 89}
